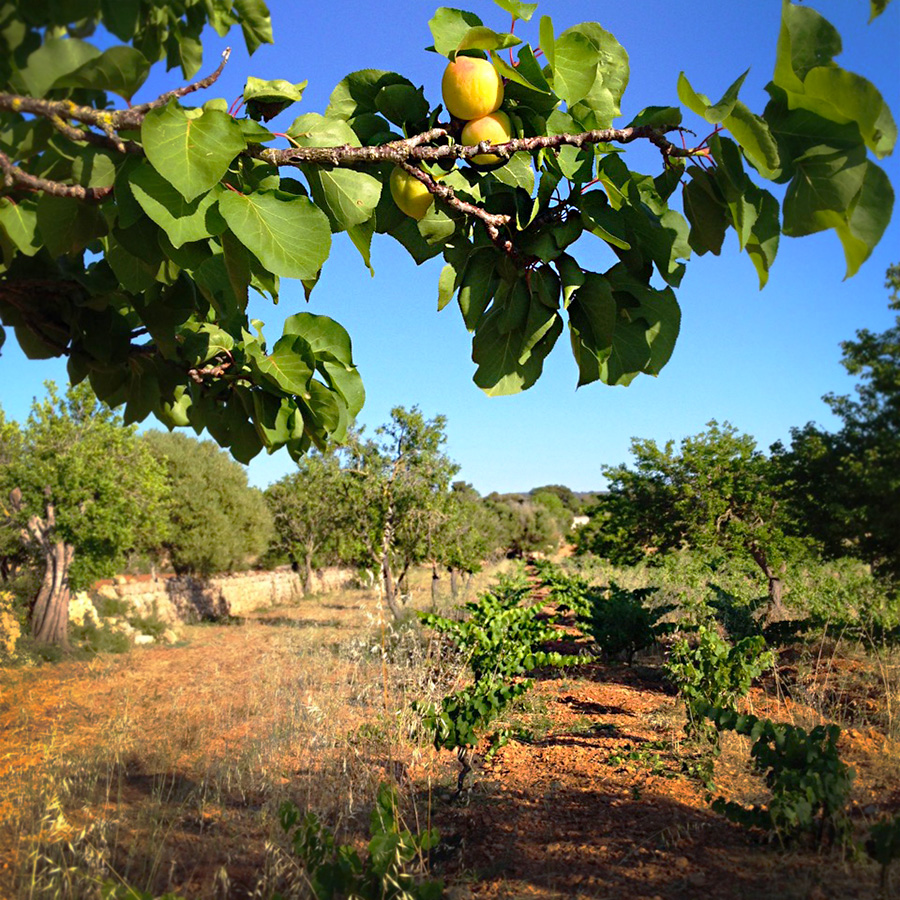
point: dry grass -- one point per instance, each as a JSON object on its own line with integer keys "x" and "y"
{"x": 166, "y": 768}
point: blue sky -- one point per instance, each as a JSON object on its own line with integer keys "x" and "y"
{"x": 761, "y": 360}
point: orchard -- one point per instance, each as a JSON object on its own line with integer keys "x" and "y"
{"x": 132, "y": 235}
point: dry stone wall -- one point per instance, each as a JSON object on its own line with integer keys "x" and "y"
{"x": 186, "y": 599}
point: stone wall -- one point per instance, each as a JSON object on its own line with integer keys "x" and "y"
{"x": 188, "y": 599}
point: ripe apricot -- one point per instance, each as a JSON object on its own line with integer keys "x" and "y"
{"x": 471, "y": 88}
{"x": 410, "y": 194}
{"x": 495, "y": 128}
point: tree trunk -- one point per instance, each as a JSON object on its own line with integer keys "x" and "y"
{"x": 435, "y": 578}
{"x": 50, "y": 611}
{"x": 307, "y": 573}
{"x": 390, "y": 590}
{"x": 454, "y": 583}
{"x": 776, "y": 610}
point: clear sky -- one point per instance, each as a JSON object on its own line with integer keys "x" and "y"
{"x": 761, "y": 360}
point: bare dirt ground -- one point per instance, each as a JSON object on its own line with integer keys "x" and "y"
{"x": 166, "y": 768}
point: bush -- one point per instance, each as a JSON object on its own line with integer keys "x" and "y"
{"x": 338, "y": 870}
{"x": 712, "y": 673}
{"x": 809, "y": 783}
{"x": 620, "y": 621}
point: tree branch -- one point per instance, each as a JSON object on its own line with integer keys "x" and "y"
{"x": 108, "y": 121}
{"x": 412, "y": 149}
{"x": 13, "y": 177}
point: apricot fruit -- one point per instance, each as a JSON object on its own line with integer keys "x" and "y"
{"x": 495, "y": 128}
{"x": 471, "y": 88}
{"x": 410, "y": 194}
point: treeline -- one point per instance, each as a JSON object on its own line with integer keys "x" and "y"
{"x": 824, "y": 495}
{"x": 85, "y": 497}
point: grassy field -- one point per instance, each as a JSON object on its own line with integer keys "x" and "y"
{"x": 165, "y": 769}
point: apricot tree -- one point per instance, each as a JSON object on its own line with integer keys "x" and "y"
{"x": 131, "y": 235}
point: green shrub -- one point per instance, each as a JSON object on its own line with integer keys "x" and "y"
{"x": 93, "y": 639}
{"x": 620, "y": 621}
{"x": 337, "y": 871}
{"x": 809, "y": 783}
{"x": 713, "y": 673}
{"x": 110, "y": 607}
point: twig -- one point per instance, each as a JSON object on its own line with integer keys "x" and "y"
{"x": 14, "y": 176}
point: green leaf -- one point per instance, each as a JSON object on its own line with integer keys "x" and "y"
{"x": 119, "y": 70}
{"x": 327, "y": 339}
{"x": 276, "y": 91}
{"x": 700, "y": 104}
{"x": 255, "y": 23}
{"x": 592, "y": 318}
{"x": 517, "y": 9}
{"x": 528, "y": 72}
{"x": 447, "y": 284}
{"x": 192, "y": 153}
{"x": 449, "y": 26}
{"x": 361, "y": 236}
{"x": 877, "y": 7}
{"x": 862, "y": 226}
{"x": 289, "y": 366}
{"x": 498, "y": 352}
{"x": 347, "y": 381}
{"x": 66, "y": 225}
{"x": 479, "y": 283}
{"x": 601, "y": 104}
{"x": 182, "y": 221}
{"x": 402, "y": 104}
{"x": 575, "y": 65}
{"x": 121, "y": 17}
{"x": 266, "y": 99}
{"x": 348, "y": 198}
{"x": 755, "y": 139}
{"x": 547, "y": 40}
{"x": 289, "y": 235}
{"x": 355, "y": 95}
{"x": 602, "y": 220}
{"x": 762, "y": 245}
{"x": 842, "y": 96}
{"x": 95, "y": 168}
{"x": 656, "y": 116}
{"x": 706, "y": 211}
{"x": 480, "y": 37}
{"x": 825, "y": 179}
{"x": 806, "y": 40}
{"x": 54, "y": 59}
{"x": 518, "y": 172}
{"x": 19, "y": 221}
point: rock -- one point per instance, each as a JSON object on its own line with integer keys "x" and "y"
{"x": 82, "y": 610}
{"x": 142, "y": 640}
{"x": 169, "y": 636}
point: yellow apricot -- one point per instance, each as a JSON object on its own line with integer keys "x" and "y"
{"x": 495, "y": 128}
{"x": 410, "y": 194}
{"x": 471, "y": 88}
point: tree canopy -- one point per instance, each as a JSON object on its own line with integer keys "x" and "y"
{"x": 131, "y": 233}
{"x": 844, "y": 486}
{"x": 716, "y": 490}
{"x": 217, "y": 522}
{"x": 81, "y": 492}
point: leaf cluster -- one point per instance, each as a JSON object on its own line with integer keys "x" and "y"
{"x": 502, "y": 640}
{"x": 709, "y": 672}
{"x": 809, "y": 783}
{"x": 131, "y": 238}
{"x": 337, "y": 870}
{"x": 620, "y": 620}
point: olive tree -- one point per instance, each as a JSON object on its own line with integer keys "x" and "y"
{"x": 132, "y": 230}
{"x": 85, "y": 492}
{"x": 217, "y": 522}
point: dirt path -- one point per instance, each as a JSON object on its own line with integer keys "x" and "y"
{"x": 199, "y": 743}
